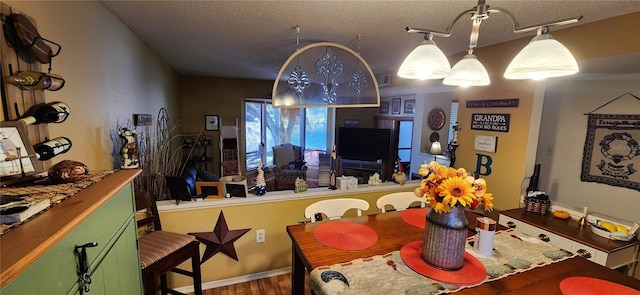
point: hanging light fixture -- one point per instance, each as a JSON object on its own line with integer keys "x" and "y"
{"x": 426, "y": 61}
{"x": 543, "y": 57}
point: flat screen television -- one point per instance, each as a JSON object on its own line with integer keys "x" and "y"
{"x": 365, "y": 144}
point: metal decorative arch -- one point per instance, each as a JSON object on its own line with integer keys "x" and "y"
{"x": 325, "y": 74}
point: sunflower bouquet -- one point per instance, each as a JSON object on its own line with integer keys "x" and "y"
{"x": 444, "y": 187}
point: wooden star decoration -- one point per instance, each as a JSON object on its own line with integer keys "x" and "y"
{"x": 220, "y": 240}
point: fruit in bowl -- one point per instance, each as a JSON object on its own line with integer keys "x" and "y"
{"x": 613, "y": 231}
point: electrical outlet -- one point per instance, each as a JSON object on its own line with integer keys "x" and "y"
{"x": 260, "y": 236}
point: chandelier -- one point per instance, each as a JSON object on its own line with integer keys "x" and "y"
{"x": 544, "y": 57}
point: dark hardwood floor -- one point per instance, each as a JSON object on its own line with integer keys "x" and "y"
{"x": 278, "y": 285}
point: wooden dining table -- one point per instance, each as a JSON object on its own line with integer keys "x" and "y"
{"x": 393, "y": 232}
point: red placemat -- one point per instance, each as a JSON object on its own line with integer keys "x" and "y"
{"x": 472, "y": 271}
{"x": 415, "y": 217}
{"x": 587, "y": 286}
{"x": 345, "y": 235}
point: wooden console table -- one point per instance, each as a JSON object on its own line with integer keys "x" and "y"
{"x": 567, "y": 234}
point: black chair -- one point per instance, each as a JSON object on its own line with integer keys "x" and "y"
{"x": 161, "y": 251}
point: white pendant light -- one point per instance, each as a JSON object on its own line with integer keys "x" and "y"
{"x": 467, "y": 72}
{"x": 426, "y": 61}
{"x": 544, "y": 57}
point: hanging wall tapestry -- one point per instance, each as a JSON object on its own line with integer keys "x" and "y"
{"x": 611, "y": 151}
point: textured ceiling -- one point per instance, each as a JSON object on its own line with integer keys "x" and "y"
{"x": 252, "y": 39}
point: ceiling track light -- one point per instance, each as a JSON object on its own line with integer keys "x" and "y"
{"x": 543, "y": 57}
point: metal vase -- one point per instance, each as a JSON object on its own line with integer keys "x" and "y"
{"x": 445, "y": 235}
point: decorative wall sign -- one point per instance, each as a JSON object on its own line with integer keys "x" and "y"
{"x": 485, "y": 143}
{"x": 491, "y": 122}
{"x": 611, "y": 151}
{"x": 494, "y": 103}
{"x": 351, "y": 123}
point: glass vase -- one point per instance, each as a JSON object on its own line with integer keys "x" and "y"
{"x": 444, "y": 239}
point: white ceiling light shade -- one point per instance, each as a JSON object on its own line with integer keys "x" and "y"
{"x": 544, "y": 57}
{"x": 467, "y": 72}
{"x": 426, "y": 61}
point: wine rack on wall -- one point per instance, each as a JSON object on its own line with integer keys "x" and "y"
{"x": 16, "y": 101}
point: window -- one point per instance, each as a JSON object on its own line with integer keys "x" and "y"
{"x": 405, "y": 135}
{"x": 453, "y": 118}
{"x": 266, "y": 126}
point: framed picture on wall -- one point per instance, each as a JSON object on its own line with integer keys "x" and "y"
{"x": 410, "y": 106}
{"x": 211, "y": 122}
{"x": 384, "y": 107}
{"x": 395, "y": 106}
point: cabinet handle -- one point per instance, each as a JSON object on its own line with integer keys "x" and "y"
{"x": 584, "y": 253}
{"x": 84, "y": 279}
{"x": 511, "y": 224}
{"x": 544, "y": 237}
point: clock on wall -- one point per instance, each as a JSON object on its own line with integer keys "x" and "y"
{"x": 436, "y": 119}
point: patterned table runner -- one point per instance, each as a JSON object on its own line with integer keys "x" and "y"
{"x": 55, "y": 193}
{"x": 388, "y": 274}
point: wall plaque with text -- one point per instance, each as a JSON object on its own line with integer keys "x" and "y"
{"x": 491, "y": 122}
{"x": 494, "y": 103}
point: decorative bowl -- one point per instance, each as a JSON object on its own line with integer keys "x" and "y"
{"x": 609, "y": 235}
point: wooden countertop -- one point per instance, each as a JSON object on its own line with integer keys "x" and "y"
{"x": 569, "y": 229}
{"x": 21, "y": 246}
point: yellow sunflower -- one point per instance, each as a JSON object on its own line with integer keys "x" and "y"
{"x": 456, "y": 190}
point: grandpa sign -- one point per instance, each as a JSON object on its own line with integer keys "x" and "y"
{"x": 491, "y": 122}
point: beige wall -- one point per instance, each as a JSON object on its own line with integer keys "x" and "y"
{"x": 110, "y": 74}
{"x": 200, "y": 96}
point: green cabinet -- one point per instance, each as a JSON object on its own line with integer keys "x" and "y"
{"x": 114, "y": 264}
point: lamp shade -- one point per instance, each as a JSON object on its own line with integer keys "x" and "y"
{"x": 544, "y": 57}
{"x": 467, "y": 72}
{"x": 426, "y": 61}
{"x": 436, "y": 148}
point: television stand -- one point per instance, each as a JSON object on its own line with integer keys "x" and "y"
{"x": 368, "y": 166}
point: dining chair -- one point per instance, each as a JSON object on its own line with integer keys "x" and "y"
{"x": 162, "y": 251}
{"x": 335, "y": 208}
{"x": 399, "y": 201}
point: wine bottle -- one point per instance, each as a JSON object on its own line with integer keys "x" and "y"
{"x": 55, "y": 112}
{"x": 29, "y": 80}
{"x": 51, "y": 148}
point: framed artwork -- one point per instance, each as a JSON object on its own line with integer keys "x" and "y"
{"x": 351, "y": 123}
{"x": 410, "y": 106}
{"x": 384, "y": 107}
{"x": 611, "y": 150}
{"x": 211, "y": 123}
{"x": 17, "y": 157}
{"x": 213, "y": 190}
{"x": 395, "y": 106}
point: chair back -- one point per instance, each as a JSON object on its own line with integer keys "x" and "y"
{"x": 150, "y": 220}
{"x": 178, "y": 188}
{"x": 399, "y": 201}
{"x": 335, "y": 208}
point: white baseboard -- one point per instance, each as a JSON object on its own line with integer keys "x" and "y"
{"x": 237, "y": 280}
